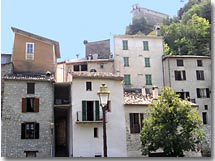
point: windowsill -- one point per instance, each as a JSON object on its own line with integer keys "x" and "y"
{"x": 89, "y": 122}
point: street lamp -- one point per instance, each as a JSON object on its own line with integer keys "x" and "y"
{"x": 103, "y": 97}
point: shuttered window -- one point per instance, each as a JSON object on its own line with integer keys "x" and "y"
{"x": 127, "y": 79}
{"x": 30, "y": 130}
{"x": 30, "y": 104}
{"x": 202, "y": 92}
{"x": 145, "y": 45}
{"x": 97, "y": 110}
{"x": 136, "y": 120}
{"x": 90, "y": 111}
{"x": 148, "y": 79}
{"x": 125, "y": 44}
{"x": 84, "y": 110}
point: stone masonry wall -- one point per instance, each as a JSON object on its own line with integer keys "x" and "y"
{"x": 12, "y": 144}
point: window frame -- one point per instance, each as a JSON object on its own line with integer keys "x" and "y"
{"x": 25, "y": 103}
{"x": 88, "y": 86}
{"x": 35, "y": 131}
{"x": 124, "y": 44}
{"x": 126, "y": 61}
{"x": 136, "y": 122}
{"x": 200, "y": 75}
{"x": 30, "y": 88}
{"x": 27, "y": 49}
{"x": 203, "y": 92}
{"x": 180, "y": 62}
{"x": 127, "y": 79}
{"x": 180, "y": 75}
{"x": 147, "y": 62}
{"x": 199, "y": 63}
{"x": 148, "y": 78}
{"x": 145, "y": 46}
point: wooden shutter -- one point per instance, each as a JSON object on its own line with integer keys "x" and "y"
{"x": 198, "y": 93}
{"x": 23, "y": 131}
{"x": 37, "y": 130}
{"x": 97, "y": 110}
{"x": 36, "y": 104}
{"x": 207, "y": 92}
{"x": 131, "y": 122}
{"x": 184, "y": 75}
{"x": 24, "y": 105}
{"x": 141, "y": 120}
{"x": 84, "y": 110}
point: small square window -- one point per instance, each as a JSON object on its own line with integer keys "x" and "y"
{"x": 31, "y": 154}
{"x": 30, "y": 88}
{"x": 180, "y": 63}
{"x": 199, "y": 63}
{"x": 206, "y": 107}
{"x": 89, "y": 86}
{"x": 76, "y": 68}
{"x": 101, "y": 66}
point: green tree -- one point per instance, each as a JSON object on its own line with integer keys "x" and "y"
{"x": 172, "y": 125}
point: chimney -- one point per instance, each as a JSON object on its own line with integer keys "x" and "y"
{"x": 155, "y": 92}
{"x": 157, "y": 30}
{"x": 143, "y": 91}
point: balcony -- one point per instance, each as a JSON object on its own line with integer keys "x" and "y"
{"x": 89, "y": 118}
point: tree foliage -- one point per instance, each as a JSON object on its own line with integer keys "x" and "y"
{"x": 173, "y": 126}
{"x": 190, "y": 38}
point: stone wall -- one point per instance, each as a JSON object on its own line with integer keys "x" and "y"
{"x": 12, "y": 144}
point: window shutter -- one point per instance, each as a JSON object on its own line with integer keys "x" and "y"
{"x": 36, "y": 104}
{"x": 24, "y": 105}
{"x": 198, "y": 93}
{"x": 84, "y": 110}
{"x": 141, "y": 120}
{"x": 131, "y": 123}
{"x": 97, "y": 110}
{"x": 184, "y": 75}
{"x": 23, "y": 131}
{"x": 207, "y": 92}
{"x": 37, "y": 130}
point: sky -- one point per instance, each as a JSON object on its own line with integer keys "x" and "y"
{"x": 70, "y": 22}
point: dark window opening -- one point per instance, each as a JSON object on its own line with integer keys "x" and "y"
{"x": 30, "y": 88}
{"x": 30, "y": 154}
{"x": 92, "y": 70}
{"x": 98, "y": 155}
{"x": 30, "y": 104}
{"x": 84, "y": 67}
{"x": 76, "y": 68}
{"x": 96, "y": 132}
{"x": 101, "y": 66}
{"x": 89, "y": 86}
{"x": 199, "y": 63}
{"x": 204, "y": 117}
{"x": 136, "y": 122}
{"x": 180, "y": 75}
{"x": 203, "y": 92}
{"x": 30, "y": 130}
{"x": 184, "y": 95}
{"x": 206, "y": 107}
{"x": 200, "y": 75}
{"x": 180, "y": 63}
{"x": 90, "y": 111}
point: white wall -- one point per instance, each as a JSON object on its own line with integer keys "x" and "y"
{"x": 137, "y": 55}
{"x": 84, "y": 143}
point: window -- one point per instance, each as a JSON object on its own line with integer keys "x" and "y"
{"x": 29, "y": 48}
{"x": 136, "y": 124}
{"x": 180, "y": 63}
{"x": 148, "y": 79}
{"x": 126, "y": 61}
{"x": 180, "y": 75}
{"x": 30, "y": 130}
{"x": 125, "y": 44}
{"x": 96, "y": 133}
{"x": 200, "y": 75}
{"x": 202, "y": 92}
{"x": 204, "y": 117}
{"x": 76, "y": 68}
{"x": 206, "y": 107}
{"x": 30, "y": 154}
{"x": 184, "y": 95}
{"x": 30, "y": 104}
{"x": 102, "y": 66}
{"x": 127, "y": 79}
{"x": 89, "y": 86}
{"x": 148, "y": 91}
{"x": 30, "y": 88}
{"x": 145, "y": 45}
{"x": 199, "y": 63}
{"x": 84, "y": 67}
{"x": 90, "y": 111}
{"x": 147, "y": 62}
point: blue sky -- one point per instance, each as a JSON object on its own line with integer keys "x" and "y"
{"x": 70, "y": 22}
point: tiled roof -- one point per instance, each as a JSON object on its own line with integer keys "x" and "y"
{"x": 137, "y": 99}
{"x": 96, "y": 75}
{"x": 29, "y": 76}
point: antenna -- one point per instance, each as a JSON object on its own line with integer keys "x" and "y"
{"x": 77, "y": 55}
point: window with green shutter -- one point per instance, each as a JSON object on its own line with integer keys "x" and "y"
{"x": 127, "y": 79}
{"x": 84, "y": 110}
{"x": 147, "y": 62}
{"x": 125, "y": 44}
{"x": 126, "y": 61}
{"x": 97, "y": 110}
{"x": 148, "y": 79}
{"x": 145, "y": 45}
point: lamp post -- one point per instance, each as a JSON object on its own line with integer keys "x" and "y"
{"x": 103, "y": 97}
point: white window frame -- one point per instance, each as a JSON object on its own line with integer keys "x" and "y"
{"x": 29, "y": 55}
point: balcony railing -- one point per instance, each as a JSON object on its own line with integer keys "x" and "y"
{"x": 88, "y": 119}
{"x": 61, "y": 101}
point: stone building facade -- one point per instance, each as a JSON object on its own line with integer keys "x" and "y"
{"x": 13, "y": 118}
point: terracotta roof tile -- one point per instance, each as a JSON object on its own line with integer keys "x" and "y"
{"x": 137, "y": 99}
